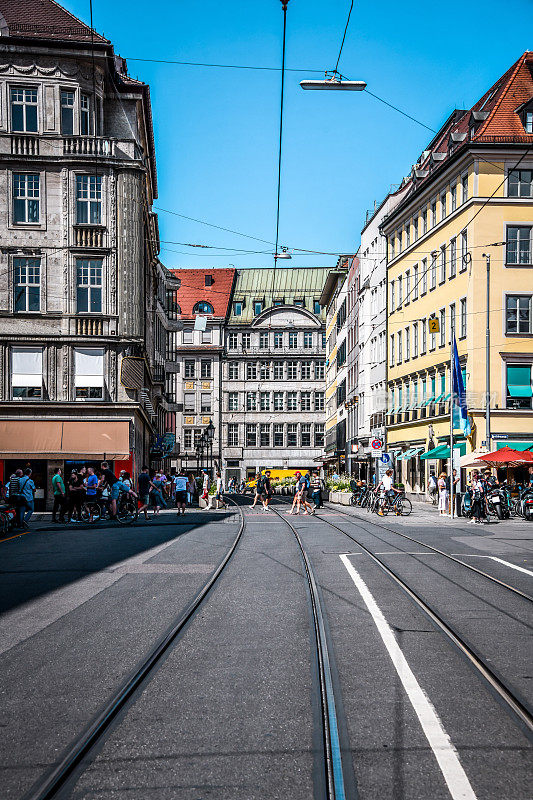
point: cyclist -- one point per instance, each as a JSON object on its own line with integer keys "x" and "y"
{"x": 388, "y": 490}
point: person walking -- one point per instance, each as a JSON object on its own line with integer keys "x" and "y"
{"x": 191, "y": 489}
{"x": 16, "y": 497}
{"x": 316, "y": 490}
{"x": 157, "y": 493}
{"x": 144, "y": 486}
{"x": 205, "y": 486}
{"x": 266, "y": 490}
{"x": 433, "y": 489}
{"x": 478, "y": 498}
{"x": 75, "y": 495}
{"x": 58, "y": 488}
{"x": 180, "y": 484}
{"x": 27, "y": 488}
{"x": 91, "y": 489}
{"x": 258, "y": 489}
{"x": 219, "y": 494}
{"x": 443, "y": 494}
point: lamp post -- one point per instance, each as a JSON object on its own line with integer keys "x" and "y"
{"x": 210, "y": 431}
{"x": 487, "y": 357}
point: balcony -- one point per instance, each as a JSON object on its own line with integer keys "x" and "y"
{"x": 22, "y": 145}
{"x": 89, "y": 236}
{"x": 85, "y": 326}
{"x": 56, "y": 146}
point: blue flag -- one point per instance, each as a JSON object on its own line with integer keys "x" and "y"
{"x": 458, "y": 401}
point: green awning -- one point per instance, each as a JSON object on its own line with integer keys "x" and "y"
{"x": 446, "y": 398}
{"x": 515, "y": 445}
{"x": 436, "y": 452}
{"x": 440, "y": 398}
{"x": 429, "y": 400}
{"x": 520, "y": 391}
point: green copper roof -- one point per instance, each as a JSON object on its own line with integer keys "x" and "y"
{"x": 284, "y": 283}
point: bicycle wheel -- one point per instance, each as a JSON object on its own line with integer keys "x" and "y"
{"x": 353, "y": 500}
{"x": 405, "y": 507}
{"x": 4, "y": 524}
{"x": 127, "y": 512}
{"x": 90, "y": 509}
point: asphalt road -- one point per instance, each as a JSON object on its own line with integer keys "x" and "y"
{"x": 232, "y": 709}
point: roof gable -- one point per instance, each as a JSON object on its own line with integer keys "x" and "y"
{"x": 44, "y": 19}
{"x": 193, "y": 290}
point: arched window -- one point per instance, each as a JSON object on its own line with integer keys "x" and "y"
{"x": 202, "y": 307}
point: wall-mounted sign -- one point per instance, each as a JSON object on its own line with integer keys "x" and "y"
{"x": 189, "y": 384}
{"x": 189, "y": 420}
{"x": 433, "y": 325}
{"x": 206, "y": 384}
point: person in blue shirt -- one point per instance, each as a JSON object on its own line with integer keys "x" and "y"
{"x": 91, "y": 486}
{"x": 27, "y": 489}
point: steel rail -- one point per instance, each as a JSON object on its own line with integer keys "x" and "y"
{"x": 335, "y": 785}
{"x": 440, "y": 552}
{"x": 512, "y": 703}
{"x": 52, "y": 783}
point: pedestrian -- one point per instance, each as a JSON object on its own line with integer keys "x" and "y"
{"x": 27, "y": 488}
{"x": 443, "y": 494}
{"x": 180, "y": 483}
{"x": 58, "y": 489}
{"x": 433, "y": 488}
{"x": 266, "y": 490}
{"x": 219, "y": 494}
{"x": 258, "y": 488}
{"x": 75, "y": 496}
{"x": 144, "y": 486}
{"x": 157, "y": 493}
{"x": 191, "y": 488}
{"x": 125, "y": 477}
{"x": 16, "y": 497}
{"x": 316, "y": 490}
{"x": 478, "y": 493}
{"x": 205, "y": 486}
{"x": 91, "y": 489}
{"x": 111, "y": 480}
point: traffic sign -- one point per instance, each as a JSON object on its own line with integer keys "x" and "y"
{"x": 384, "y": 458}
{"x": 376, "y": 444}
{"x": 433, "y": 325}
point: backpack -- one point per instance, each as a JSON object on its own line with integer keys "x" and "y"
{"x": 432, "y": 483}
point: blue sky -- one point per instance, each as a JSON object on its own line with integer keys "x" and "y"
{"x": 216, "y": 129}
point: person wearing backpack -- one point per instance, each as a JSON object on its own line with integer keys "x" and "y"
{"x": 433, "y": 489}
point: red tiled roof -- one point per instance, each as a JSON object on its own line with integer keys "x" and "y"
{"x": 43, "y": 19}
{"x": 514, "y": 89}
{"x": 193, "y": 289}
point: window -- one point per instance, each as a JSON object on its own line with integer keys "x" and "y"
{"x": 233, "y": 371}
{"x": 205, "y": 368}
{"x": 264, "y": 398}
{"x": 392, "y": 296}
{"x": 341, "y": 354}
{"x": 258, "y": 307}
{"x": 293, "y": 340}
{"x": 308, "y": 340}
{"x": 415, "y": 339}
{"x": 416, "y": 221}
{"x": 518, "y": 314}
{"x": 89, "y": 373}
{"x": 27, "y": 372}
{"x": 424, "y": 221}
{"x": 24, "y": 110}
{"x": 407, "y": 235}
{"x": 462, "y": 333}
{"x": 299, "y": 303}
{"x": 306, "y": 370}
{"x": 251, "y": 401}
{"x": 263, "y": 340}
{"x": 278, "y": 370}
{"x": 305, "y": 401}
{"x": 392, "y": 352}
{"x": 316, "y": 307}
{"x": 400, "y": 353}
{"x": 189, "y": 403}
{"x": 292, "y": 370}
{"x": 278, "y": 340}
{"x": 528, "y": 121}
{"x": 433, "y": 213}
{"x": 392, "y": 241}
{"x": 232, "y": 341}
{"x": 464, "y": 187}
{"x": 323, "y": 340}
{"x": 264, "y": 434}
{"x": 453, "y": 196}
{"x": 442, "y": 264}
{"x": 292, "y": 435}
{"x": 319, "y": 434}
{"x": 197, "y": 436}
{"x": 205, "y": 402}
{"x": 233, "y": 401}
{"x": 233, "y": 434}
{"x": 305, "y": 431}
{"x": 453, "y": 257}
{"x": 279, "y": 301}
{"x": 319, "y": 401}
{"x": 443, "y": 205}
{"x": 251, "y": 435}
{"x": 407, "y": 344}
{"x": 464, "y": 251}
{"x": 415, "y": 282}
{"x": 433, "y": 337}
{"x": 251, "y": 371}
{"x": 407, "y": 287}
{"x": 245, "y": 341}
{"x": 442, "y": 326}
{"x": 237, "y": 308}
{"x": 433, "y": 272}
{"x": 189, "y": 369}
{"x": 519, "y": 390}
{"x": 67, "y": 113}
{"x": 187, "y": 439}
{"x": 188, "y": 336}
{"x": 85, "y": 115}
{"x": 89, "y": 285}
{"x": 264, "y": 371}
{"x": 292, "y": 401}
{"x": 27, "y": 284}
{"x": 453, "y": 330}
{"x": 520, "y": 183}
{"x": 202, "y": 307}
{"x": 320, "y": 370}
{"x": 207, "y": 336}
{"x": 278, "y": 434}
{"x": 424, "y": 288}
{"x": 278, "y": 401}
{"x": 424, "y": 342}
{"x": 89, "y": 199}
{"x": 519, "y": 244}
{"x": 26, "y": 198}
{"x": 400, "y": 291}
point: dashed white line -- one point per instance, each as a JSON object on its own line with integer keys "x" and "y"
{"x": 513, "y": 566}
{"x": 439, "y": 741}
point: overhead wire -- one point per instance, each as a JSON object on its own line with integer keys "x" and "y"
{"x": 344, "y": 37}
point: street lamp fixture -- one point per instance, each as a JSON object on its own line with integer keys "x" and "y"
{"x": 283, "y": 254}
{"x": 334, "y": 82}
{"x": 210, "y": 431}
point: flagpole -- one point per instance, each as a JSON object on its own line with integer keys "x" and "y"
{"x": 450, "y": 473}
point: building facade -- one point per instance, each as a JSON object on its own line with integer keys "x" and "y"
{"x": 468, "y": 197}
{"x": 80, "y": 280}
{"x": 194, "y": 363}
{"x": 273, "y": 372}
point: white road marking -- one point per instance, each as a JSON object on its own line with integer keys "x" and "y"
{"x": 513, "y": 566}
{"x": 18, "y": 625}
{"x": 439, "y": 741}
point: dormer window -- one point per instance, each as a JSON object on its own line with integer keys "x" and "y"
{"x": 528, "y": 121}
{"x": 209, "y": 280}
{"x": 237, "y": 308}
{"x": 202, "y": 307}
{"x": 279, "y": 301}
{"x": 299, "y": 302}
{"x": 258, "y": 307}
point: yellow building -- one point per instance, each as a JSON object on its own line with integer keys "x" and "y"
{"x": 469, "y": 196}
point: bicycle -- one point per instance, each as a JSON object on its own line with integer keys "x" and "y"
{"x": 399, "y": 504}
{"x": 96, "y": 510}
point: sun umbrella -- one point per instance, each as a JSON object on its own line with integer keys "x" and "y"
{"x": 471, "y": 459}
{"x": 507, "y": 457}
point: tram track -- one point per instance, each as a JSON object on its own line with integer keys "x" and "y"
{"x": 518, "y": 709}
{"x": 51, "y": 784}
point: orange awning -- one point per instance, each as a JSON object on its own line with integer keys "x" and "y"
{"x": 64, "y": 439}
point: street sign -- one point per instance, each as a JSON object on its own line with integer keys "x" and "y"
{"x": 433, "y": 325}
{"x": 385, "y": 458}
{"x": 376, "y": 444}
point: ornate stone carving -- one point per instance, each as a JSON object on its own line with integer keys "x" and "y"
{"x": 66, "y": 372}
{"x": 112, "y": 372}
{"x": 48, "y": 67}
